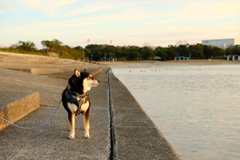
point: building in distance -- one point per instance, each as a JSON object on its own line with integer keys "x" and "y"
{"x": 222, "y": 43}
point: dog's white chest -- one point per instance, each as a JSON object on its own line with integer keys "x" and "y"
{"x": 74, "y": 108}
{"x": 85, "y": 106}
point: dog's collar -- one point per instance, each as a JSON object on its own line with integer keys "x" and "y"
{"x": 79, "y": 97}
{"x": 71, "y": 98}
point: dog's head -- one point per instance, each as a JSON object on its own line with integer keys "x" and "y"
{"x": 84, "y": 80}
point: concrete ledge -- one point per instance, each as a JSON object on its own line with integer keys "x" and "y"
{"x": 39, "y": 65}
{"x": 12, "y": 64}
{"x": 96, "y": 72}
{"x": 49, "y": 70}
{"x": 39, "y": 71}
{"x": 67, "y": 75}
{"x": 136, "y": 136}
{"x": 15, "y": 105}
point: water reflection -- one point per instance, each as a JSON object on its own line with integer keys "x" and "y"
{"x": 196, "y": 107}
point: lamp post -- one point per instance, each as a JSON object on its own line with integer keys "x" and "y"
{"x": 83, "y": 55}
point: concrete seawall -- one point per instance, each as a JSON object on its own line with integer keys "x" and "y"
{"x": 136, "y": 136}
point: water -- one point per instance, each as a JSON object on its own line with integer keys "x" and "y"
{"x": 197, "y": 108}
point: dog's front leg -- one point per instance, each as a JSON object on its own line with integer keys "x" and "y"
{"x": 86, "y": 119}
{"x": 71, "y": 117}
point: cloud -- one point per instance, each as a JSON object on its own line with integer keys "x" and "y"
{"x": 127, "y": 15}
{"x": 125, "y": 22}
{"x": 6, "y": 5}
{"x": 51, "y": 6}
{"x": 109, "y": 7}
{"x": 211, "y": 9}
{"x": 91, "y": 8}
{"x": 46, "y": 4}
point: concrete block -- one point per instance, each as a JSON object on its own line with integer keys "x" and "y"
{"x": 50, "y": 70}
{"x": 15, "y": 105}
{"x": 136, "y": 136}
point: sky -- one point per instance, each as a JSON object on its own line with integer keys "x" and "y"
{"x": 124, "y": 22}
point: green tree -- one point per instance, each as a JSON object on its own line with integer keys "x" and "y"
{"x": 119, "y": 53}
{"x": 124, "y": 53}
{"x": 108, "y": 51}
{"x": 172, "y": 52}
{"x": 132, "y": 53}
{"x": 79, "y": 48}
{"x": 48, "y": 45}
{"x": 27, "y": 46}
{"x": 80, "y": 54}
{"x": 218, "y": 52}
{"x": 147, "y": 52}
{"x": 161, "y": 52}
{"x": 233, "y": 50}
{"x": 229, "y": 50}
{"x": 54, "y": 45}
{"x": 196, "y": 51}
{"x": 208, "y": 51}
{"x": 87, "y": 53}
{"x": 183, "y": 50}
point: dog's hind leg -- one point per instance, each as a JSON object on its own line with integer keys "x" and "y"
{"x": 71, "y": 117}
{"x": 86, "y": 119}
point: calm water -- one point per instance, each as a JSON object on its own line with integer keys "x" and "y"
{"x": 197, "y": 108}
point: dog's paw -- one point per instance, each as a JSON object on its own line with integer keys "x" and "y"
{"x": 87, "y": 136}
{"x": 71, "y": 137}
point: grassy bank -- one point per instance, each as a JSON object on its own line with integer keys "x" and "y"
{"x": 22, "y": 52}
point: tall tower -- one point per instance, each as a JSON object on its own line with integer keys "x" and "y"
{"x": 88, "y": 41}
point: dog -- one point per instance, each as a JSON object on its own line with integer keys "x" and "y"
{"x": 76, "y": 100}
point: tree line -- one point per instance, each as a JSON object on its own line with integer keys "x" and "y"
{"x": 125, "y": 53}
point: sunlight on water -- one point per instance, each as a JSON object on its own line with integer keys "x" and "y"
{"x": 197, "y": 108}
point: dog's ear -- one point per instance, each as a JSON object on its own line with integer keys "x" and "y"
{"x": 77, "y": 73}
{"x": 84, "y": 70}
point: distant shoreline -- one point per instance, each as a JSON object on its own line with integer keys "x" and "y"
{"x": 152, "y": 63}
{"x": 159, "y": 63}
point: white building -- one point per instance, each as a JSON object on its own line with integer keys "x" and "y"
{"x": 222, "y": 43}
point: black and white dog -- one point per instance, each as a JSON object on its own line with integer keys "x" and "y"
{"x": 76, "y": 100}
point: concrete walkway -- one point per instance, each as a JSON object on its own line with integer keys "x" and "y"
{"x": 120, "y": 129}
{"x": 51, "y": 141}
{"x": 39, "y": 64}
